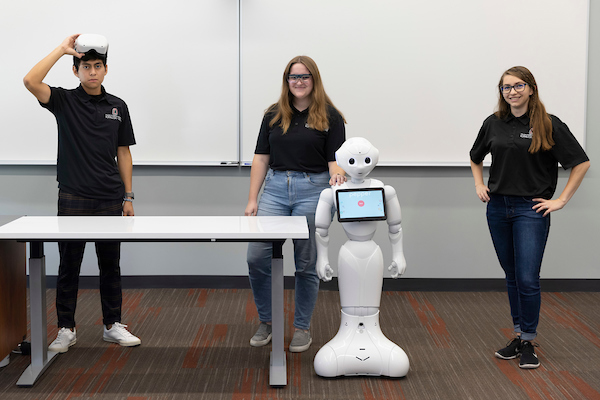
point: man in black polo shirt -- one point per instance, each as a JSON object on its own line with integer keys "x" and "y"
{"x": 94, "y": 129}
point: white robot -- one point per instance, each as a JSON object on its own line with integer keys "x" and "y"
{"x": 360, "y": 348}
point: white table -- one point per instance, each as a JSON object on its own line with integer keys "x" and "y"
{"x": 37, "y": 230}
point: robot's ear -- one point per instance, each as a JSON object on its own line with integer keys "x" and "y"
{"x": 375, "y": 155}
{"x": 336, "y": 160}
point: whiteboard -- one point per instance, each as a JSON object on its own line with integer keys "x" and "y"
{"x": 416, "y": 78}
{"x": 174, "y": 63}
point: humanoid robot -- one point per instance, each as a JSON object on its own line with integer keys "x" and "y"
{"x": 360, "y": 348}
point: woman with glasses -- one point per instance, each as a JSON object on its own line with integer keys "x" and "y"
{"x": 526, "y": 145}
{"x": 295, "y": 159}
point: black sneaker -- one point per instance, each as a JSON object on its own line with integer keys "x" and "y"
{"x": 512, "y": 350}
{"x": 528, "y": 357}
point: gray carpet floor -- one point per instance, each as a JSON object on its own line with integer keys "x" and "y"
{"x": 195, "y": 346}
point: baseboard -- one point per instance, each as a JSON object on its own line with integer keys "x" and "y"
{"x": 389, "y": 284}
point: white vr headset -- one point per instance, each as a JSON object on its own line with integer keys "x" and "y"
{"x": 90, "y": 41}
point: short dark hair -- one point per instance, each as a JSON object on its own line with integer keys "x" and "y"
{"x": 90, "y": 55}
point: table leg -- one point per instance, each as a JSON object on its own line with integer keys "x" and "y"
{"x": 40, "y": 356}
{"x": 278, "y": 372}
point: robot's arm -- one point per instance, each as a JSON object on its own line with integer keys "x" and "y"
{"x": 322, "y": 224}
{"x": 394, "y": 213}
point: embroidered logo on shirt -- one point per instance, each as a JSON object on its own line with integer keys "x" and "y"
{"x": 527, "y": 135}
{"x": 307, "y": 126}
{"x": 114, "y": 115}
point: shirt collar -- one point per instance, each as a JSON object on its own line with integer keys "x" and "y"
{"x": 82, "y": 94}
{"x": 295, "y": 110}
{"x": 523, "y": 119}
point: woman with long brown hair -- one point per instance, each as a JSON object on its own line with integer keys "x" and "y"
{"x": 526, "y": 144}
{"x": 295, "y": 159}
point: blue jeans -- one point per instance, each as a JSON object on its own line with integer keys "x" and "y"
{"x": 296, "y": 194}
{"x": 519, "y": 235}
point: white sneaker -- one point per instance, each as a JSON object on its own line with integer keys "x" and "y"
{"x": 119, "y": 334}
{"x": 65, "y": 339}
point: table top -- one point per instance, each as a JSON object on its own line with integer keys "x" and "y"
{"x": 155, "y": 228}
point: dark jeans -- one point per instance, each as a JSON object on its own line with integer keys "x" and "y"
{"x": 71, "y": 255}
{"x": 519, "y": 235}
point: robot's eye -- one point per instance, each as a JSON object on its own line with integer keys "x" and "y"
{"x": 368, "y": 160}
{"x": 351, "y": 161}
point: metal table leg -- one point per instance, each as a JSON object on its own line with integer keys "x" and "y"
{"x": 40, "y": 356}
{"x": 278, "y": 372}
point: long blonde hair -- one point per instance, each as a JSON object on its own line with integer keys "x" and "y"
{"x": 539, "y": 120}
{"x": 317, "y": 111}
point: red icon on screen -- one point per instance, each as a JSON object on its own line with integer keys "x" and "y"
{"x": 361, "y": 203}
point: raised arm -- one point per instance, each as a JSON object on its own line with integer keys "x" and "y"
{"x": 258, "y": 171}
{"x": 34, "y": 79}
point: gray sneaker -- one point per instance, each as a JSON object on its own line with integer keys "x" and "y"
{"x": 300, "y": 342}
{"x": 262, "y": 335}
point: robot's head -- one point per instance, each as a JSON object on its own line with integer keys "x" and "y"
{"x": 94, "y": 47}
{"x": 357, "y": 156}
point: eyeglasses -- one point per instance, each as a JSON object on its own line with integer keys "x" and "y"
{"x": 295, "y": 77}
{"x": 519, "y": 87}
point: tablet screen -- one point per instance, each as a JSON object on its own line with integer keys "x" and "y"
{"x": 367, "y": 204}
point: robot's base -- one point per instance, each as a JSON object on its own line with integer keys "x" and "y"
{"x": 360, "y": 348}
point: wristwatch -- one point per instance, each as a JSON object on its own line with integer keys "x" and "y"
{"x": 129, "y": 194}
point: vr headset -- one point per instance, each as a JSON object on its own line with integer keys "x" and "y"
{"x": 89, "y": 41}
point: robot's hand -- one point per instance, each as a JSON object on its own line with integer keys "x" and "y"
{"x": 397, "y": 268}
{"x": 324, "y": 272}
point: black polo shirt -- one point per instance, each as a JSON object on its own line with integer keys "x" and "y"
{"x": 302, "y": 148}
{"x": 516, "y": 172}
{"x": 90, "y": 129}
